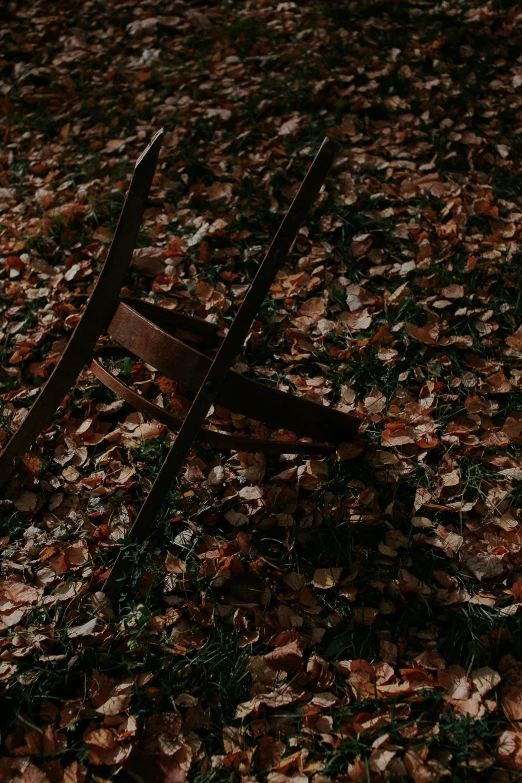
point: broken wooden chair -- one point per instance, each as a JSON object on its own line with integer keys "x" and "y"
{"x": 187, "y": 350}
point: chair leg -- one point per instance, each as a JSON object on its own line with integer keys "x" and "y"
{"x": 97, "y": 315}
{"x": 226, "y": 355}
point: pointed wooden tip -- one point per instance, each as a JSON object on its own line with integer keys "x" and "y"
{"x": 329, "y": 146}
{"x": 334, "y": 144}
{"x": 151, "y": 152}
{"x": 146, "y": 166}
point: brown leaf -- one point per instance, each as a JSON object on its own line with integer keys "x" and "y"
{"x": 288, "y": 658}
{"x": 74, "y": 773}
{"x": 31, "y": 774}
{"x": 496, "y": 384}
{"x": 150, "y": 260}
{"x": 154, "y": 768}
{"x": 453, "y": 291}
{"x": 278, "y": 698}
{"x": 26, "y": 501}
{"x": 347, "y": 451}
{"x": 326, "y": 578}
{"x": 364, "y": 615}
{"x": 485, "y": 679}
{"x": 251, "y": 493}
{"x": 515, "y": 340}
{"x": 313, "y": 308}
{"x": 396, "y": 435}
{"x": 356, "y": 322}
{"x": 114, "y": 144}
{"x": 511, "y": 701}
{"x": 82, "y": 630}
{"x": 482, "y": 564}
{"x": 270, "y": 752}
{"x": 112, "y": 757}
{"x": 379, "y": 759}
{"x": 99, "y": 735}
{"x": 118, "y": 700}
{"x": 21, "y": 593}
{"x": 294, "y": 580}
{"x": 290, "y": 127}
{"x": 513, "y": 427}
{"x": 219, "y": 190}
{"x": 375, "y": 402}
{"x": 174, "y": 564}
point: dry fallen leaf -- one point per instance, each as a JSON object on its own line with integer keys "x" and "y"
{"x": 26, "y": 501}
{"x": 288, "y": 658}
{"x": 364, "y": 615}
{"x": 356, "y": 322}
{"x": 515, "y": 340}
{"x": 219, "y": 190}
{"x": 326, "y": 578}
{"x": 150, "y": 260}
{"x": 485, "y": 679}
{"x": 291, "y": 126}
{"x": 82, "y": 630}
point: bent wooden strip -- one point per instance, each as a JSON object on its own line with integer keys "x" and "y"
{"x": 218, "y": 440}
{"x": 187, "y": 366}
{"x": 97, "y": 314}
{"x": 186, "y": 327}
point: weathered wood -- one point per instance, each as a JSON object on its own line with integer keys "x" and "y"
{"x": 188, "y": 366}
{"x": 226, "y": 356}
{"x": 96, "y": 316}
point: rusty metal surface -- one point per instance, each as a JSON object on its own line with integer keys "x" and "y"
{"x": 97, "y": 314}
{"x": 218, "y": 440}
{"x": 226, "y": 355}
{"x": 183, "y": 363}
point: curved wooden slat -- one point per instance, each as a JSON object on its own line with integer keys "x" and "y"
{"x": 97, "y": 314}
{"x": 187, "y": 366}
{"x": 185, "y": 327}
{"x": 218, "y": 440}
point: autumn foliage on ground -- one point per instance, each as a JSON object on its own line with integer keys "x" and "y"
{"x": 290, "y": 620}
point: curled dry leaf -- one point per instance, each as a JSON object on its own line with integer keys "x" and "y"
{"x": 280, "y": 697}
{"x": 150, "y": 260}
{"x": 26, "y": 501}
{"x": 118, "y": 700}
{"x": 326, "y": 578}
{"x": 219, "y": 190}
{"x": 356, "y": 322}
{"x": 86, "y": 629}
{"x": 288, "y": 658}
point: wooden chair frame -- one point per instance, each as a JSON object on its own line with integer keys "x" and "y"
{"x": 186, "y": 349}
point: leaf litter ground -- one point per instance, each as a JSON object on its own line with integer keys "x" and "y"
{"x": 291, "y": 620}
